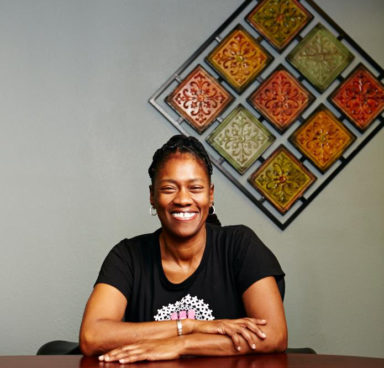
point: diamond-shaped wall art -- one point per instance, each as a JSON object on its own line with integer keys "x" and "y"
{"x": 308, "y": 99}
{"x": 320, "y": 57}
{"x": 322, "y": 138}
{"x": 241, "y": 139}
{"x": 282, "y": 179}
{"x": 199, "y": 99}
{"x": 279, "y": 21}
{"x": 281, "y": 98}
{"x": 360, "y": 97}
{"x": 239, "y": 58}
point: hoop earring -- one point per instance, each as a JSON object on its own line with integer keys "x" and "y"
{"x": 152, "y": 211}
{"x": 212, "y": 210}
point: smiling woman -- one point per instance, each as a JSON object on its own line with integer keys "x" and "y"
{"x": 182, "y": 195}
{"x": 191, "y": 287}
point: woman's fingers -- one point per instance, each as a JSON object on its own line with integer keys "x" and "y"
{"x": 236, "y": 341}
{"x": 247, "y": 328}
{"x": 259, "y": 321}
{"x": 253, "y": 325}
{"x": 128, "y": 354}
{"x": 133, "y": 357}
{"x": 248, "y": 336}
{"x": 117, "y": 354}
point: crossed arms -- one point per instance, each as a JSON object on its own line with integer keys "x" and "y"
{"x": 103, "y": 332}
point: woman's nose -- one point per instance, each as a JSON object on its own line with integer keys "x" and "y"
{"x": 182, "y": 197}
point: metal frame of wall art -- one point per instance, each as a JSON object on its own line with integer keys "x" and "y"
{"x": 282, "y": 99}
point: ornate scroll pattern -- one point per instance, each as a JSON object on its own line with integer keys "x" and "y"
{"x": 320, "y": 57}
{"x": 360, "y": 97}
{"x": 199, "y": 99}
{"x": 279, "y": 20}
{"x": 322, "y": 138}
{"x": 282, "y": 179}
{"x": 241, "y": 139}
{"x": 281, "y": 99}
{"x": 239, "y": 58}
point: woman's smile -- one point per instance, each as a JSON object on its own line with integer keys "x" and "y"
{"x": 184, "y": 216}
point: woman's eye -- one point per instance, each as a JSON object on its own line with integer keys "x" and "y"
{"x": 167, "y": 189}
{"x": 197, "y": 188}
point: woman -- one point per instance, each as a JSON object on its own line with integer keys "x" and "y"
{"x": 190, "y": 288}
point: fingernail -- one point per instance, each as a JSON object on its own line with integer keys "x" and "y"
{"x": 253, "y": 346}
{"x": 263, "y": 334}
{"x": 239, "y": 348}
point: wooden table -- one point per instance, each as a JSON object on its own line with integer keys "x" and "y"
{"x": 250, "y": 361}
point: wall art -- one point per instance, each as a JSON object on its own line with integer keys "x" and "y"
{"x": 241, "y": 139}
{"x": 282, "y": 178}
{"x": 322, "y": 138}
{"x": 282, "y": 99}
{"x": 239, "y": 59}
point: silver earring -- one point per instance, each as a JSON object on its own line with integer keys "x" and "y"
{"x": 212, "y": 210}
{"x": 152, "y": 211}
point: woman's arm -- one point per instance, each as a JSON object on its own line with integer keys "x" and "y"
{"x": 261, "y": 299}
{"x": 102, "y": 328}
{"x": 176, "y": 347}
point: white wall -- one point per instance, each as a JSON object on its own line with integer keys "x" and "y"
{"x": 77, "y": 136}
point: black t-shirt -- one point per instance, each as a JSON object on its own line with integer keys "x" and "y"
{"x": 234, "y": 258}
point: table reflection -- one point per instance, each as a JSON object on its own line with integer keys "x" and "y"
{"x": 250, "y": 361}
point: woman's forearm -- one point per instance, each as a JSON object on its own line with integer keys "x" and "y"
{"x": 213, "y": 344}
{"x": 193, "y": 344}
{"x": 104, "y": 335}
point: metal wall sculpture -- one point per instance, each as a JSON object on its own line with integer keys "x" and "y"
{"x": 282, "y": 98}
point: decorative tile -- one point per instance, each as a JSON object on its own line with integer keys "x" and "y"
{"x": 239, "y": 59}
{"x": 320, "y": 57}
{"x": 360, "y": 97}
{"x": 241, "y": 139}
{"x": 282, "y": 179}
{"x": 200, "y": 99}
{"x": 279, "y": 21}
{"x": 322, "y": 138}
{"x": 281, "y": 99}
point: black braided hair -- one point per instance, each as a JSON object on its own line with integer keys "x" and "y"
{"x": 183, "y": 144}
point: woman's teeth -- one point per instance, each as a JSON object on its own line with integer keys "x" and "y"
{"x": 183, "y": 215}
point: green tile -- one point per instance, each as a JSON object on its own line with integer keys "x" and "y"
{"x": 241, "y": 139}
{"x": 320, "y": 57}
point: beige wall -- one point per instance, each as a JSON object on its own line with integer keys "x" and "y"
{"x": 76, "y": 138}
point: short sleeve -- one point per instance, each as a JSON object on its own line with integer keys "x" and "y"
{"x": 253, "y": 260}
{"x": 116, "y": 269}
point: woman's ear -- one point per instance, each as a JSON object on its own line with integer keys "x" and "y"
{"x": 151, "y": 196}
{"x": 211, "y": 192}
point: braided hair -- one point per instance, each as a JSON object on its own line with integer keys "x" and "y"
{"x": 183, "y": 144}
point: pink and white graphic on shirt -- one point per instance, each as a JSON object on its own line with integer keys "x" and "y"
{"x": 188, "y": 307}
{"x": 183, "y": 315}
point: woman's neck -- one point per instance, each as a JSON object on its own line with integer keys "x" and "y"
{"x": 182, "y": 251}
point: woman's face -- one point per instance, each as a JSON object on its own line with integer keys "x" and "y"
{"x": 182, "y": 195}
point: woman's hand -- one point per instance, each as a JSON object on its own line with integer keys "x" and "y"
{"x": 159, "y": 349}
{"x": 247, "y": 328}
